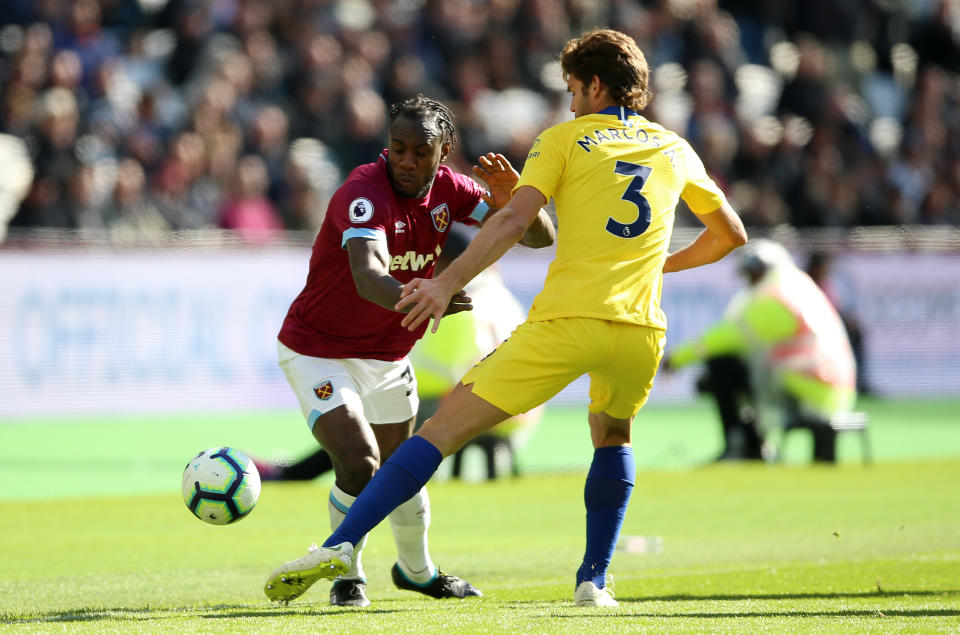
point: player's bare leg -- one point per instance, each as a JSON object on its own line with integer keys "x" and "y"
{"x": 353, "y": 446}
{"x": 349, "y": 589}
{"x": 462, "y": 416}
{"x": 608, "y": 431}
{"x": 411, "y": 519}
{"x": 355, "y": 452}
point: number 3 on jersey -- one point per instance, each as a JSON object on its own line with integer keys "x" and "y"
{"x": 640, "y": 173}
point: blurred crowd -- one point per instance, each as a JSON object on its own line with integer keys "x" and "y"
{"x": 142, "y": 116}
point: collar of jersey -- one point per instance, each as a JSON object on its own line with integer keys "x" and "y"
{"x": 621, "y": 112}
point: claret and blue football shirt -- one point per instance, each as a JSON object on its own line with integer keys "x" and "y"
{"x": 329, "y": 319}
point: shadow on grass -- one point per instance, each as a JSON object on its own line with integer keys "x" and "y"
{"x": 778, "y": 611}
{"x": 310, "y": 611}
{"x": 691, "y": 597}
{"x": 206, "y": 612}
{"x": 739, "y": 597}
{"x": 878, "y": 613}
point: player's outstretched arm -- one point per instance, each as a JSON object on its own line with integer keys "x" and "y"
{"x": 723, "y": 232}
{"x": 501, "y": 177}
{"x": 369, "y": 264}
{"x": 425, "y": 299}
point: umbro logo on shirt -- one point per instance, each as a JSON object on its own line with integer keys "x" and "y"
{"x": 399, "y": 226}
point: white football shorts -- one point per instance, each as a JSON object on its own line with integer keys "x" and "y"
{"x": 385, "y": 391}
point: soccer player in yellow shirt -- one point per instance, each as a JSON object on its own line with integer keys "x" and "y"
{"x": 616, "y": 179}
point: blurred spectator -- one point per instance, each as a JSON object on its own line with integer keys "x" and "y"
{"x": 66, "y": 71}
{"x": 825, "y": 115}
{"x": 81, "y": 198}
{"x": 51, "y": 148}
{"x": 365, "y": 127}
{"x": 129, "y": 215}
{"x": 268, "y": 138}
{"x": 937, "y": 39}
{"x": 186, "y": 196}
{"x": 711, "y": 126}
{"x": 806, "y": 93}
{"x": 81, "y": 32}
{"x": 819, "y": 268}
{"x": 246, "y": 208}
{"x": 778, "y": 359}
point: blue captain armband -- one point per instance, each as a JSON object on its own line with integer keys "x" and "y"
{"x": 480, "y": 211}
{"x": 362, "y": 232}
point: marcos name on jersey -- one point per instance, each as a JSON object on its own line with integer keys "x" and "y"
{"x": 623, "y": 177}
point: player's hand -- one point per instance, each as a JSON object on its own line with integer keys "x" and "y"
{"x": 495, "y": 170}
{"x": 425, "y": 299}
{"x": 459, "y": 302}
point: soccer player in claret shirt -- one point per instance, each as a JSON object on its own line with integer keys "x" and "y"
{"x": 616, "y": 179}
{"x": 343, "y": 348}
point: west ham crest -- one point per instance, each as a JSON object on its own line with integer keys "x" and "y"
{"x": 441, "y": 217}
{"x": 323, "y": 390}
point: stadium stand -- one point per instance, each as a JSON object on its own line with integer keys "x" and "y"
{"x": 146, "y": 130}
{"x": 145, "y": 116}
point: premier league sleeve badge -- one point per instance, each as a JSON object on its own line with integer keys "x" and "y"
{"x": 360, "y": 210}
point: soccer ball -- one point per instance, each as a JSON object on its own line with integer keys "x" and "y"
{"x": 220, "y": 486}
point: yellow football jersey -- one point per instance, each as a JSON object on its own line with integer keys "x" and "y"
{"x": 616, "y": 179}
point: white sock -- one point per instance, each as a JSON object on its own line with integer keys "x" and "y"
{"x": 338, "y": 504}
{"x": 409, "y": 522}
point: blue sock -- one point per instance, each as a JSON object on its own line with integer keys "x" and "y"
{"x": 407, "y": 470}
{"x": 605, "y": 495}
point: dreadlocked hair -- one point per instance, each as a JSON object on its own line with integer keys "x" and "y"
{"x": 423, "y": 108}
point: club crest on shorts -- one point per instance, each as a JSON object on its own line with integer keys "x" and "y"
{"x": 440, "y": 216}
{"x": 361, "y": 210}
{"x": 323, "y": 390}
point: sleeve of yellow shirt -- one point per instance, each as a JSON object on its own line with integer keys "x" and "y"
{"x": 544, "y": 165}
{"x": 700, "y": 193}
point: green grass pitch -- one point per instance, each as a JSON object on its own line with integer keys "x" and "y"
{"x": 746, "y": 548}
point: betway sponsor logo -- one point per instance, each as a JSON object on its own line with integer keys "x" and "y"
{"x": 412, "y": 261}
